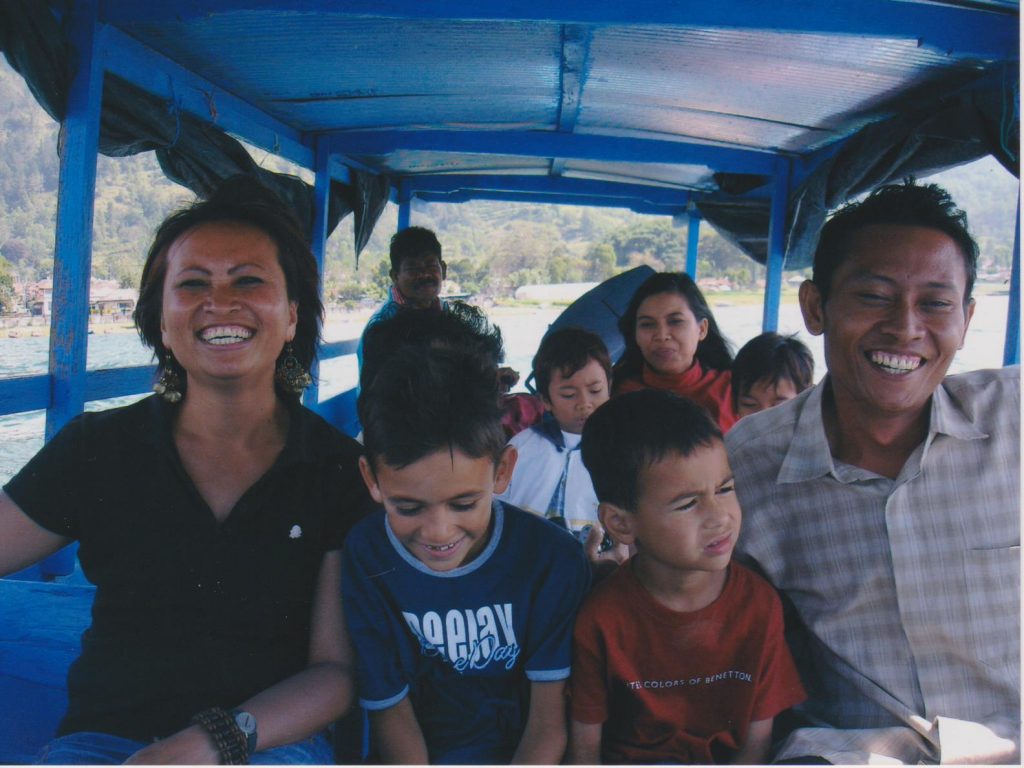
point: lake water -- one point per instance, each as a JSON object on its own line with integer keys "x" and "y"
{"x": 21, "y": 435}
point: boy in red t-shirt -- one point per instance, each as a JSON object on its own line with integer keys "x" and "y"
{"x": 679, "y": 655}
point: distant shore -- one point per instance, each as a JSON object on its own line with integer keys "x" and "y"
{"x": 341, "y": 323}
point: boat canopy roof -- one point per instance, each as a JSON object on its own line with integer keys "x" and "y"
{"x": 710, "y": 109}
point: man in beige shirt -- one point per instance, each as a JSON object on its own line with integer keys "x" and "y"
{"x": 884, "y": 503}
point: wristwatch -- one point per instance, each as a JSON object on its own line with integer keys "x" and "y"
{"x": 247, "y": 725}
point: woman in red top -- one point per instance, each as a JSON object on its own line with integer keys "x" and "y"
{"x": 673, "y": 343}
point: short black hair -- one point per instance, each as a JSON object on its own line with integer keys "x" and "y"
{"x": 567, "y": 350}
{"x": 245, "y": 200}
{"x": 908, "y": 204}
{"x": 631, "y": 432}
{"x": 427, "y": 399}
{"x": 460, "y": 326}
{"x": 713, "y": 352}
{"x": 413, "y": 241}
{"x": 774, "y": 357}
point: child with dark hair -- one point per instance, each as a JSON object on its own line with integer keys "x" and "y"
{"x": 673, "y": 343}
{"x": 460, "y": 607}
{"x": 679, "y": 655}
{"x": 768, "y": 370}
{"x": 572, "y": 373}
{"x": 463, "y": 327}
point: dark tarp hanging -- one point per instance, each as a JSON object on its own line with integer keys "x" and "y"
{"x": 193, "y": 153}
{"x": 930, "y": 134}
{"x": 980, "y": 120}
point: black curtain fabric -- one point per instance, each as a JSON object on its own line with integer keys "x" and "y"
{"x": 193, "y": 153}
{"x": 979, "y": 119}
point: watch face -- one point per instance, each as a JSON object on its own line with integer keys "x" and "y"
{"x": 246, "y": 722}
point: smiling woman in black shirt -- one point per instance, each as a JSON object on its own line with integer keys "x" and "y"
{"x": 210, "y": 516}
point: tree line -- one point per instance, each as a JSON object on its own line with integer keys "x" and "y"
{"x": 491, "y": 248}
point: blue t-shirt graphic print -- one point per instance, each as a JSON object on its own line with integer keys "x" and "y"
{"x": 464, "y": 644}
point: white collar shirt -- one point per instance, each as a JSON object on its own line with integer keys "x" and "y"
{"x": 909, "y": 588}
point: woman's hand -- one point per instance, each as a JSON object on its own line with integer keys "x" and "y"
{"x": 192, "y": 746}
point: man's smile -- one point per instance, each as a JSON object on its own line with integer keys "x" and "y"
{"x": 894, "y": 363}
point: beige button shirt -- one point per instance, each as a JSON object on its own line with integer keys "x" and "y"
{"x": 909, "y": 589}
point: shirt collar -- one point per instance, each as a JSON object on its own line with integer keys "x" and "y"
{"x": 948, "y": 418}
{"x": 810, "y": 457}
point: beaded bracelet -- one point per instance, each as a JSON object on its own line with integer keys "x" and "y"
{"x": 231, "y": 743}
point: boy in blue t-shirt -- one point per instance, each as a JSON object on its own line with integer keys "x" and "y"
{"x": 460, "y": 607}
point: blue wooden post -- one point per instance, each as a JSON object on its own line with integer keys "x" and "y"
{"x": 404, "y": 212}
{"x": 692, "y": 242}
{"x": 72, "y": 262}
{"x": 318, "y": 244}
{"x": 776, "y": 250}
{"x": 1011, "y": 347}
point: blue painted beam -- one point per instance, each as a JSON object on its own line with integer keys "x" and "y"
{"x": 404, "y": 200}
{"x": 550, "y": 185}
{"x": 554, "y": 144}
{"x": 69, "y": 323}
{"x": 637, "y": 206}
{"x": 330, "y": 349}
{"x": 575, "y": 60}
{"x": 1011, "y": 345}
{"x": 776, "y": 253}
{"x": 24, "y": 393}
{"x": 692, "y": 242}
{"x": 166, "y": 79}
{"x": 32, "y": 393}
{"x": 318, "y": 243}
{"x": 961, "y": 30}
{"x": 118, "y": 382}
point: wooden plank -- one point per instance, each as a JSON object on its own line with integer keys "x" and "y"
{"x": 40, "y": 630}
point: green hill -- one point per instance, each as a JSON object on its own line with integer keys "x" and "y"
{"x": 491, "y": 248}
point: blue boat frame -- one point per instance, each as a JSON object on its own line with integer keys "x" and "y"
{"x": 103, "y": 48}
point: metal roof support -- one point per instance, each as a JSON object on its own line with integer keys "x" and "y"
{"x": 1011, "y": 347}
{"x": 776, "y": 249}
{"x": 555, "y": 144}
{"x": 692, "y": 242}
{"x": 318, "y": 243}
{"x": 961, "y": 28}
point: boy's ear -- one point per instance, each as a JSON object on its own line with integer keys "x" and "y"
{"x": 503, "y": 472}
{"x": 370, "y": 479}
{"x": 617, "y": 521}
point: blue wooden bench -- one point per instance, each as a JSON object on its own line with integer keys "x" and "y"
{"x": 40, "y": 635}
{"x": 41, "y": 625}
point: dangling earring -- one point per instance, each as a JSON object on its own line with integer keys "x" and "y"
{"x": 290, "y": 374}
{"x": 168, "y": 386}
